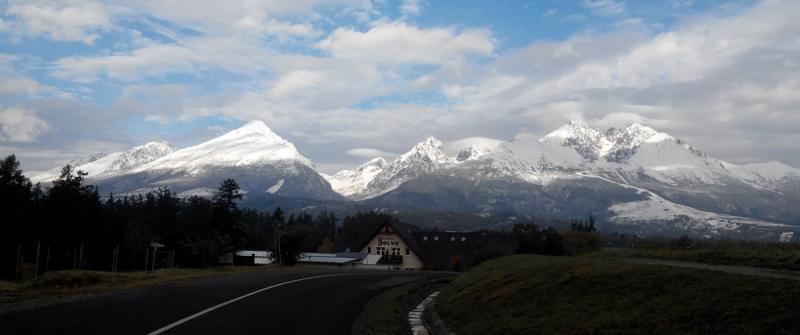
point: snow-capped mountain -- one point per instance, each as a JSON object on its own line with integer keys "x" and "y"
{"x": 252, "y": 144}
{"x": 100, "y": 165}
{"x": 264, "y": 164}
{"x": 588, "y": 142}
{"x": 424, "y": 158}
{"x": 637, "y": 178}
{"x": 354, "y": 182}
{"x": 763, "y": 174}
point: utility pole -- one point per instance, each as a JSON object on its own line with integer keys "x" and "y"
{"x": 74, "y": 257}
{"x": 146, "y": 259}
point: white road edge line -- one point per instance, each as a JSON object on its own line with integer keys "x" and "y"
{"x": 207, "y": 310}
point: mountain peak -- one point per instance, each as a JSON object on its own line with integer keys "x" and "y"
{"x": 255, "y": 128}
{"x": 431, "y": 148}
{"x": 571, "y": 129}
{"x": 589, "y": 142}
{"x": 377, "y": 161}
{"x": 251, "y": 144}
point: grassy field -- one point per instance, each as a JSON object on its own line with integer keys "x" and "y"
{"x": 527, "y": 294}
{"x": 387, "y": 313}
{"x": 89, "y": 282}
{"x": 774, "y": 256}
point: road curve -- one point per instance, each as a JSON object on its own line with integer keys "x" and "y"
{"x": 324, "y": 301}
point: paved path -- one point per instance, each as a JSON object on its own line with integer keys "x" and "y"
{"x": 742, "y": 270}
{"x": 308, "y": 302}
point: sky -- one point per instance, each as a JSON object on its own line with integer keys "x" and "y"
{"x": 348, "y": 80}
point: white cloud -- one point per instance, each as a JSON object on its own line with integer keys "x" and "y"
{"x": 411, "y": 7}
{"x": 82, "y": 20}
{"x": 604, "y": 7}
{"x": 398, "y": 42}
{"x": 12, "y": 86}
{"x": 485, "y": 143}
{"x": 283, "y": 19}
{"x": 369, "y": 153}
{"x": 149, "y": 60}
{"x": 295, "y": 82}
{"x": 736, "y": 74}
{"x": 21, "y": 125}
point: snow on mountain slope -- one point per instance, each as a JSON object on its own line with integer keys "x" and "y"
{"x": 471, "y": 148}
{"x": 118, "y": 162}
{"x": 626, "y": 141}
{"x": 588, "y": 142}
{"x": 659, "y": 210}
{"x": 671, "y": 161}
{"x": 763, "y": 173}
{"x": 424, "y": 158}
{"x": 252, "y": 144}
{"x": 531, "y": 159}
{"x": 354, "y": 182}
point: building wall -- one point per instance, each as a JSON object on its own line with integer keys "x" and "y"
{"x": 393, "y": 240}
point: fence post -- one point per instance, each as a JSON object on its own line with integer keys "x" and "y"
{"x": 36, "y": 263}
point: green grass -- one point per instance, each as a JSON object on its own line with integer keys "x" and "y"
{"x": 774, "y": 256}
{"x": 387, "y": 313}
{"x": 89, "y": 282}
{"x": 527, "y": 294}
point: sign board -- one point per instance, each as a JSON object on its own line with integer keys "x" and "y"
{"x": 156, "y": 245}
{"x": 387, "y": 242}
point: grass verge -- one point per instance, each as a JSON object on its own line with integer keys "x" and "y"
{"x": 387, "y": 313}
{"x": 774, "y": 256}
{"x": 527, "y": 294}
{"x": 60, "y": 283}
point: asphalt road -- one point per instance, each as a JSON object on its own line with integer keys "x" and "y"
{"x": 308, "y": 302}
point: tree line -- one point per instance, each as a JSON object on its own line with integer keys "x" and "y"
{"x": 70, "y": 225}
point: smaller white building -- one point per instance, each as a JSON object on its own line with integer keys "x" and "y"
{"x": 247, "y": 257}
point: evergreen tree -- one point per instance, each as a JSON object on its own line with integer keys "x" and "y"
{"x": 227, "y": 214}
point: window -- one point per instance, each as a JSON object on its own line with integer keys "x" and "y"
{"x": 452, "y": 238}
{"x": 436, "y": 238}
{"x": 380, "y": 251}
{"x": 408, "y": 251}
{"x": 369, "y": 250}
{"x": 425, "y": 238}
{"x": 395, "y": 251}
{"x": 463, "y": 239}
